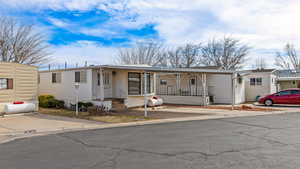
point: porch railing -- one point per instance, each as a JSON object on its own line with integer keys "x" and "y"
{"x": 173, "y": 91}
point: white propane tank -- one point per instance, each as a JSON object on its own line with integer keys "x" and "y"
{"x": 19, "y": 108}
{"x": 155, "y": 101}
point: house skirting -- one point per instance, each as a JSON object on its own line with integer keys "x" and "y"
{"x": 187, "y": 100}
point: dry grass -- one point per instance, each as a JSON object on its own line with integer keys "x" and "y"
{"x": 113, "y": 118}
{"x": 220, "y": 107}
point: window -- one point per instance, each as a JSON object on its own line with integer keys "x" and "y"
{"x": 295, "y": 91}
{"x": 255, "y": 81}
{"x": 106, "y": 78}
{"x": 77, "y": 77}
{"x": 98, "y": 79}
{"x": 53, "y": 77}
{"x": 6, "y": 83}
{"x": 134, "y": 83}
{"x": 56, "y": 77}
{"x": 193, "y": 81}
{"x": 163, "y": 82}
{"x": 80, "y": 77}
{"x": 3, "y": 83}
{"x": 282, "y": 93}
{"x": 259, "y": 81}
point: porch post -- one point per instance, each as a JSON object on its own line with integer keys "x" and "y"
{"x": 178, "y": 84}
{"x": 204, "y": 88}
{"x": 233, "y": 90}
{"x": 145, "y": 94}
{"x": 101, "y": 85}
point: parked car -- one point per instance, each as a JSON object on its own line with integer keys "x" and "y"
{"x": 289, "y": 96}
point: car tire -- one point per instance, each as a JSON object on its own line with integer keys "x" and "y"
{"x": 268, "y": 102}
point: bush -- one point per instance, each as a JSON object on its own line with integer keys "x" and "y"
{"x": 83, "y": 106}
{"x": 44, "y": 100}
{"x": 48, "y": 101}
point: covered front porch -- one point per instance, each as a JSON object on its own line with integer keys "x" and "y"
{"x": 287, "y": 83}
{"x": 183, "y": 88}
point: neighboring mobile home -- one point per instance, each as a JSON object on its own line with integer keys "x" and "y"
{"x": 288, "y": 79}
{"x": 113, "y": 85}
{"x": 18, "y": 82}
{"x": 259, "y": 83}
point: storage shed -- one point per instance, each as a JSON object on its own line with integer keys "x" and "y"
{"x": 18, "y": 82}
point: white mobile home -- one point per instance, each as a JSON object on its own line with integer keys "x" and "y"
{"x": 259, "y": 83}
{"x": 116, "y": 85}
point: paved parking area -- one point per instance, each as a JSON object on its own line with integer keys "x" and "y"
{"x": 15, "y": 125}
{"x": 258, "y": 142}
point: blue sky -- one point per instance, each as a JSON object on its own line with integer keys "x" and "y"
{"x": 93, "y": 30}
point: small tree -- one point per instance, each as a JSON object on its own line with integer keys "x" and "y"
{"x": 226, "y": 53}
{"x": 150, "y": 53}
{"x": 19, "y": 43}
{"x": 288, "y": 59}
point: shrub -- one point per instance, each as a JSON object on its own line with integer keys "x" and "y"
{"x": 44, "y": 100}
{"x": 83, "y": 106}
{"x": 48, "y": 101}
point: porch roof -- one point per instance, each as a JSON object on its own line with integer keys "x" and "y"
{"x": 164, "y": 69}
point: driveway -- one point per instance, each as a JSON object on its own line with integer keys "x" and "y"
{"x": 269, "y": 141}
{"x": 22, "y": 125}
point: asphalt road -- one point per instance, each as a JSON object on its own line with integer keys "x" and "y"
{"x": 270, "y": 142}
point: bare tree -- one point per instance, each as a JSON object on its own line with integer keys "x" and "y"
{"x": 19, "y": 43}
{"x": 226, "y": 53}
{"x": 150, "y": 53}
{"x": 184, "y": 56}
{"x": 190, "y": 55}
{"x": 289, "y": 59}
{"x": 260, "y": 63}
{"x": 174, "y": 57}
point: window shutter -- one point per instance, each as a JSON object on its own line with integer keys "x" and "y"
{"x": 10, "y": 84}
{"x": 77, "y": 77}
{"x": 53, "y": 77}
{"x": 83, "y": 77}
{"x": 58, "y": 77}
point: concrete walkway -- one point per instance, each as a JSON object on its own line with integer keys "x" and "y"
{"x": 19, "y": 126}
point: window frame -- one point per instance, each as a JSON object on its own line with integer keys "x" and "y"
{"x": 9, "y": 84}
{"x": 139, "y": 83}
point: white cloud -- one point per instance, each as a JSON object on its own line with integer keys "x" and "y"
{"x": 79, "y": 52}
{"x": 263, "y": 24}
{"x": 58, "y": 22}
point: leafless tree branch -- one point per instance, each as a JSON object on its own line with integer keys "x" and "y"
{"x": 150, "y": 53}
{"x": 288, "y": 59}
{"x": 226, "y": 53}
{"x": 19, "y": 43}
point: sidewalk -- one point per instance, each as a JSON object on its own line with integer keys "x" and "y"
{"x": 20, "y": 126}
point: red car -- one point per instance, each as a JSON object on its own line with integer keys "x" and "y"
{"x": 289, "y": 96}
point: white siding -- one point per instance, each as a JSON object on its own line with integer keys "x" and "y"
{"x": 267, "y": 87}
{"x": 66, "y": 90}
{"x": 220, "y": 86}
{"x": 107, "y": 88}
{"x": 183, "y": 100}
